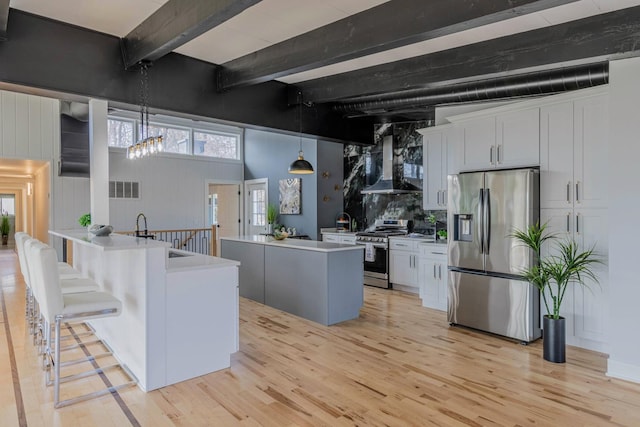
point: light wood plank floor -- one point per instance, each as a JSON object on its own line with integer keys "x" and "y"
{"x": 399, "y": 364}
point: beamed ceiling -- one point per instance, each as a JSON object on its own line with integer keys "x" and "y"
{"x": 355, "y": 61}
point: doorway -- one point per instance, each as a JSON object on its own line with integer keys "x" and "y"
{"x": 8, "y": 214}
{"x": 223, "y": 210}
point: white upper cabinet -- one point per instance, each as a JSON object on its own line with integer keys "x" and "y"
{"x": 504, "y": 140}
{"x": 478, "y": 144}
{"x": 556, "y": 155}
{"x": 573, "y": 153}
{"x": 591, "y": 118}
{"x": 518, "y": 139}
{"x": 440, "y": 145}
{"x": 432, "y": 158}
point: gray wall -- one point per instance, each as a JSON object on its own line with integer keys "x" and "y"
{"x": 268, "y": 155}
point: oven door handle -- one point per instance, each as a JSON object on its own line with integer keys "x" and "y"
{"x": 375, "y": 245}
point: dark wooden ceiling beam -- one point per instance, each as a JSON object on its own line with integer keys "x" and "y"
{"x": 174, "y": 24}
{"x": 4, "y": 19}
{"x": 597, "y": 38}
{"x": 392, "y": 24}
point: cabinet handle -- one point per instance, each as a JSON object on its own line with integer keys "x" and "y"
{"x": 568, "y": 215}
{"x": 438, "y": 197}
{"x": 444, "y": 197}
{"x": 491, "y": 154}
{"x": 577, "y": 223}
{"x": 568, "y": 191}
{"x": 498, "y": 152}
{"x": 577, "y": 192}
{"x": 439, "y": 271}
{"x": 434, "y": 271}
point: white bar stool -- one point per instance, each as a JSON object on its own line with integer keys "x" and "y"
{"x": 42, "y": 330}
{"x": 72, "y": 279}
{"x": 58, "y": 308}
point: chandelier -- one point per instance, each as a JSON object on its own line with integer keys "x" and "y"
{"x": 146, "y": 145}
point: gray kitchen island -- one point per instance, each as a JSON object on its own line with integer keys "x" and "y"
{"x": 319, "y": 281}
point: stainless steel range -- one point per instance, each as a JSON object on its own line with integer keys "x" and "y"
{"x": 376, "y": 254}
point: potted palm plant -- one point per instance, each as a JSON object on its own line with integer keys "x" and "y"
{"x": 5, "y": 228}
{"x": 552, "y": 275}
{"x": 272, "y": 215}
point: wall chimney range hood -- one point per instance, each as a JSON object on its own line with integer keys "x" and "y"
{"x": 388, "y": 183}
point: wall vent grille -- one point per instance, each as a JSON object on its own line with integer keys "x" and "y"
{"x": 124, "y": 190}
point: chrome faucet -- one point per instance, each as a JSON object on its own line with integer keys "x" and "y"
{"x": 146, "y": 233}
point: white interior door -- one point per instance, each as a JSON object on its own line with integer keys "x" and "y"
{"x": 257, "y": 198}
{"x": 224, "y": 210}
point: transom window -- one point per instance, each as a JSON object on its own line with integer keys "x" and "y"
{"x": 179, "y": 136}
{"x": 175, "y": 140}
{"x": 224, "y": 146}
{"x": 120, "y": 133}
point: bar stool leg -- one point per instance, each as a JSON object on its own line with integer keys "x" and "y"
{"x": 56, "y": 365}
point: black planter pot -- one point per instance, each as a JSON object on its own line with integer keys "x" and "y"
{"x": 553, "y": 343}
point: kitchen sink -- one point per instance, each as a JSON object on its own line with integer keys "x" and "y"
{"x": 174, "y": 254}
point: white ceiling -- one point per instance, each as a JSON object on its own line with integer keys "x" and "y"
{"x": 16, "y": 168}
{"x": 272, "y": 21}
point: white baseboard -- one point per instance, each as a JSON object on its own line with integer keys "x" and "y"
{"x": 624, "y": 371}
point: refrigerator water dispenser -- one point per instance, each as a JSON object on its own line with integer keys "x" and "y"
{"x": 463, "y": 227}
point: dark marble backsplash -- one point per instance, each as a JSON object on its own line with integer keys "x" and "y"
{"x": 363, "y": 167}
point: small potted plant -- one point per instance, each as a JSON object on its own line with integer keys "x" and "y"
{"x": 5, "y": 228}
{"x": 272, "y": 215}
{"x": 85, "y": 220}
{"x": 442, "y": 234}
{"x": 552, "y": 275}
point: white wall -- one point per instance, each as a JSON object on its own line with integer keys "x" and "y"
{"x": 624, "y": 211}
{"x": 30, "y": 129}
{"x": 173, "y": 190}
{"x": 41, "y": 203}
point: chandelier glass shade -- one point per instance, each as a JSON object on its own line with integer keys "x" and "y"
{"x": 147, "y": 145}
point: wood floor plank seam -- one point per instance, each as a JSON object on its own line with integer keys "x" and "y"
{"x": 15, "y": 377}
{"x": 121, "y": 403}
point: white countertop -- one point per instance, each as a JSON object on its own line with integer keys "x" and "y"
{"x": 110, "y": 242}
{"x": 308, "y": 245}
{"x": 194, "y": 261}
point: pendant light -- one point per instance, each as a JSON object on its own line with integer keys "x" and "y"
{"x": 300, "y": 166}
{"x": 147, "y": 145}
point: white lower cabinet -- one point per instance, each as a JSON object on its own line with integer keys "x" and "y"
{"x": 432, "y": 275}
{"x": 403, "y": 262}
{"x": 585, "y": 309}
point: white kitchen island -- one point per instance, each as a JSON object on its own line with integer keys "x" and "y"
{"x": 180, "y": 315}
{"x": 319, "y": 281}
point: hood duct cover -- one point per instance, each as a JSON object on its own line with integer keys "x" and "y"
{"x": 74, "y": 140}
{"x": 387, "y": 184}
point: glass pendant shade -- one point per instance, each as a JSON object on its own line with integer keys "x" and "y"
{"x": 300, "y": 165}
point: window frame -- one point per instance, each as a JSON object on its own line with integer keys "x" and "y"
{"x": 189, "y": 124}
{"x": 237, "y": 135}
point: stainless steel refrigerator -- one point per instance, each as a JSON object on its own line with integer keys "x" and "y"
{"x": 486, "y": 291}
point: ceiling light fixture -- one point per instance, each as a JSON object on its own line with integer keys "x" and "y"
{"x": 146, "y": 145}
{"x": 300, "y": 166}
